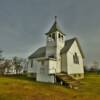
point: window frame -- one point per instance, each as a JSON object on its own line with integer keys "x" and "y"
{"x": 75, "y": 58}
{"x": 53, "y": 36}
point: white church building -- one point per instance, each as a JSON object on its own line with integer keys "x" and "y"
{"x": 58, "y": 57}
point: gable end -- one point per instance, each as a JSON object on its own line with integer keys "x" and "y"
{"x": 68, "y": 44}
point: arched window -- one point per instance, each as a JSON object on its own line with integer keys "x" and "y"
{"x": 75, "y": 58}
{"x": 62, "y": 37}
{"x": 59, "y": 36}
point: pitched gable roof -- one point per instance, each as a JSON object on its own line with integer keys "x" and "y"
{"x": 39, "y": 53}
{"x": 68, "y": 44}
{"x": 54, "y": 28}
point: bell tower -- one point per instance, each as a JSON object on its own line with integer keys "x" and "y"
{"x": 55, "y": 41}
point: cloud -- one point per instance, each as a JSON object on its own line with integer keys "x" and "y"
{"x": 24, "y": 22}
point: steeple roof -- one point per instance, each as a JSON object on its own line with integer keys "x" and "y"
{"x": 54, "y": 27}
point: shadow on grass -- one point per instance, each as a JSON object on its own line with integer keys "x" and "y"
{"x": 19, "y": 77}
{"x": 26, "y": 78}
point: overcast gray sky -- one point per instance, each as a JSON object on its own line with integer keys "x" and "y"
{"x": 24, "y": 22}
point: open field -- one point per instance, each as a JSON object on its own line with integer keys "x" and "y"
{"x": 21, "y": 88}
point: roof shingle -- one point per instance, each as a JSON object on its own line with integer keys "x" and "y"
{"x": 38, "y": 53}
{"x": 68, "y": 44}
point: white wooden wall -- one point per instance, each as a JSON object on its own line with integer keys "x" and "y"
{"x": 44, "y": 71}
{"x": 73, "y": 68}
{"x": 64, "y": 62}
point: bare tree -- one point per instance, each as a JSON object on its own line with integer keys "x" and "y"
{"x": 7, "y": 65}
{"x": 2, "y": 69}
{"x": 17, "y": 63}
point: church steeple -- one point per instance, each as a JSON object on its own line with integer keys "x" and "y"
{"x": 55, "y": 41}
{"x": 54, "y": 27}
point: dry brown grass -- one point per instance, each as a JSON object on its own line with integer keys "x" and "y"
{"x": 16, "y": 88}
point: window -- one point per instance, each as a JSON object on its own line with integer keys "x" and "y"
{"x": 62, "y": 37}
{"x": 42, "y": 70}
{"x": 53, "y": 36}
{"x": 49, "y": 35}
{"x": 42, "y": 63}
{"x": 59, "y": 36}
{"x": 75, "y": 59}
{"x": 31, "y": 63}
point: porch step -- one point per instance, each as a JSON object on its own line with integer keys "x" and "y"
{"x": 67, "y": 80}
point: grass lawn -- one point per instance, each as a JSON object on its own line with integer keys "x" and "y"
{"x": 21, "y": 88}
